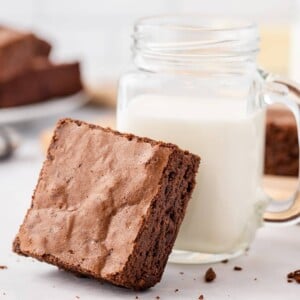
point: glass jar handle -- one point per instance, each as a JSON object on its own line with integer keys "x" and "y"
{"x": 283, "y": 91}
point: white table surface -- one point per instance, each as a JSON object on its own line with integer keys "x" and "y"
{"x": 274, "y": 253}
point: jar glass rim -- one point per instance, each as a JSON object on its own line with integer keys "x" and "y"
{"x": 190, "y": 40}
{"x": 194, "y": 22}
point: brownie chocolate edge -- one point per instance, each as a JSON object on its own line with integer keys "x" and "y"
{"x": 159, "y": 231}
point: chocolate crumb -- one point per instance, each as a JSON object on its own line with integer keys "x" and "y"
{"x": 181, "y": 273}
{"x": 294, "y": 276}
{"x": 237, "y": 268}
{"x": 3, "y": 267}
{"x": 255, "y": 278}
{"x": 201, "y": 297}
{"x": 225, "y": 261}
{"x": 289, "y": 280}
{"x": 157, "y": 297}
{"x": 210, "y": 275}
{"x": 176, "y": 290}
{"x": 136, "y": 297}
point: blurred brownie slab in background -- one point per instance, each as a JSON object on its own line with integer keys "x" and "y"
{"x": 282, "y": 150}
{"x": 26, "y": 73}
{"x": 44, "y": 80}
{"x": 17, "y": 49}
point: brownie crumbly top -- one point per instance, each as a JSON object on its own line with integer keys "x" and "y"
{"x": 8, "y": 35}
{"x": 87, "y": 175}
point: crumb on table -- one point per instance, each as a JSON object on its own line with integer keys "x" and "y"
{"x": 294, "y": 276}
{"x": 210, "y": 275}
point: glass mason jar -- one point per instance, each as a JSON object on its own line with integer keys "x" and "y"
{"x": 196, "y": 84}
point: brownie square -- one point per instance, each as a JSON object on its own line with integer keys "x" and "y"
{"x": 108, "y": 205}
{"x": 281, "y": 150}
{"x": 17, "y": 49}
{"x": 42, "y": 81}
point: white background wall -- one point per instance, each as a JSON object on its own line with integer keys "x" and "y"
{"x": 98, "y": 31}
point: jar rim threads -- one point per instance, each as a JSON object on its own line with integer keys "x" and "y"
{"x": 188, "y": 40}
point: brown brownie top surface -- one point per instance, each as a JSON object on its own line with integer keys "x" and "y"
{"x": 280, "y": 116}
{"x": 94, "y": 190}
{"x": 8, "y": 35}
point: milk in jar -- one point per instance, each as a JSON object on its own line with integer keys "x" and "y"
{"x": 224, "y": 211}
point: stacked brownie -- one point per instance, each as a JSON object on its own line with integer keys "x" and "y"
{"x": 26, "y": 73}
{"x": 282, "y": 150}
